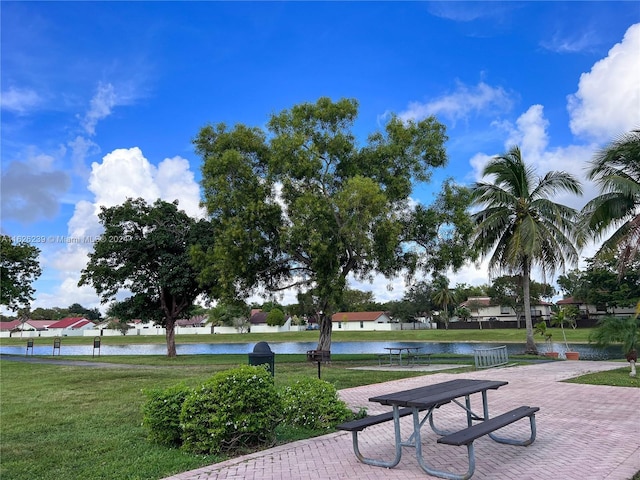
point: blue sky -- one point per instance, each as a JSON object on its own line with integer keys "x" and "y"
{"x": 100, "y": 100}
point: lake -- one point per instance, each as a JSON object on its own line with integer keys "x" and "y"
{"x": 587, "y": 352}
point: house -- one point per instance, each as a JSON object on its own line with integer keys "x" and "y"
{"x": 590, "y": 314}
{"x": 70, "y": 326}
{"x": 258, "y": 317}
{"x": 361, "y": 321}
{"x": 482, "y": 309}
{"x": 193, "y": 322}
{"x": 258, "y": 323}
{"x": 37, "y": 325}
{"x": 9, "y": 326}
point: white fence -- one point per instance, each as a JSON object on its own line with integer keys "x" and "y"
{"x": 208, "y": 330}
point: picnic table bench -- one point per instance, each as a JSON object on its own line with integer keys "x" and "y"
{"x": 413, "y": 356}
{"x": 428, "y": 398}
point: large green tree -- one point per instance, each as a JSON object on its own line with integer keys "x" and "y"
{"x": 607, "y": 287}
{"x": 358, "y": 301}
{"x": 416, "y": 302}
{"x": 92, "y": 314}
{"x": 145, "y": 249}
{"x": 519, "y": 227}
{"x": 616, "y": 211}
{"x": 19, "y": 268}
{"x": 303, "y": 205}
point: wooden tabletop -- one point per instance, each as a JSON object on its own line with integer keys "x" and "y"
{"x": 438, "y": 394}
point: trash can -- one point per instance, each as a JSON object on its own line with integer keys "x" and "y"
{"x": 262, "y": 355}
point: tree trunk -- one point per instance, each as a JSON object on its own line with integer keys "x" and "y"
{"x": 171, "y": 338}
{"x": 633, "y": 368}
{"x": 530, "y": 347}
{"x": 324, "y": 342}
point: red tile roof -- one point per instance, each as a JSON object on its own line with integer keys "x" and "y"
{"x": 70, "y": 322}
{"x": 8, "y": 326}
{"x": 40, "y": 324}
{"x": 567, "y": 301}
{"x": 482, "y": 301}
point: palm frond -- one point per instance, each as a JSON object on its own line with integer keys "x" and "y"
{"x": 616, "y": 171}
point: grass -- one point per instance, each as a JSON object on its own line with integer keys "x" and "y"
{"x": 615, "y": 378}
{"x": 508, "y": 335}
{"x": 85, "y": 422}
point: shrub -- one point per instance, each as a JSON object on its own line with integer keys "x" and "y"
{"x": 236, "y": 409}
{"x": 161, "y": 414}
{"x": 275, "y": 318}
{"x": 313, "y": 403}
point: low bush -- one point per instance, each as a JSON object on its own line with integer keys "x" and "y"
{"x": 313, "y": 403}
{"x": 236, "y": 409}
{"x": 161, "y": 414}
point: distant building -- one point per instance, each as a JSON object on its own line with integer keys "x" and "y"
{"x": 193, "y": 322}
{"x": 360, "y": 320}
{"x": 482, "y": 309}
{"x": 595, "y": 312}
{"x": 70, "y": 326}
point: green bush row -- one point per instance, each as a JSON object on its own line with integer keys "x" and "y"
{"x": 237, "y": 409}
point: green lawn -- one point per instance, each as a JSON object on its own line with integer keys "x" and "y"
{"x": 84, "y": 423}
{"x": 491, "y": 335}
{"x": 615, "y": 378}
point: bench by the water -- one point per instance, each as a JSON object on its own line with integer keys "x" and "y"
{"x": 428, "y": 398}
{"x": 491, "y": 357}
{"x": 413, "y": 356}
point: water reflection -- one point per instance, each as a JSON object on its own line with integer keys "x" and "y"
{"x": 587, "y": 352}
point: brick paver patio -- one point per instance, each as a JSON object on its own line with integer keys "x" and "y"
{"x": 585, "y": 432}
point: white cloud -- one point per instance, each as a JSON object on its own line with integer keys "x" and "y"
{"x": 607, "y": 102}
{"x": 530, "y": 133}
{"x": 81, "y": 148}
{"x": 176, "y": 182}
{"x": 69, "y": 293}
{"x": 467, "y": 11}
{"x": 101, "y": 104}
{"x": 573, "y": 43}
{"x": 463, "y": 102}
{"x": 122, "y": 174}
{"x": 84, "y": 222}
{"x": 20, "y": 100}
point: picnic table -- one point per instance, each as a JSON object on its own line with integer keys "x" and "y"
{"x": 423, "y": 401}
{"x": 396, "y": 353}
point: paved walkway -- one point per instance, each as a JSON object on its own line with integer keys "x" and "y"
{"x": 585, "y": 432}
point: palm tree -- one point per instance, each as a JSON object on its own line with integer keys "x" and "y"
{"x": 616, "y": 170}
{"x": 623, "y": 330}
{"x": 520, "y": 227}
{"x": 443, "y": 297}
